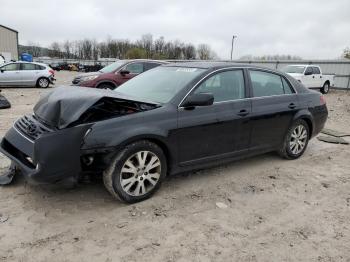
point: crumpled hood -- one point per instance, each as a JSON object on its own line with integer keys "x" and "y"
{"x": 65, "y": 104}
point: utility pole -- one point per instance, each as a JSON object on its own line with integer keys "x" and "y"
{"x": 233, "y": 39}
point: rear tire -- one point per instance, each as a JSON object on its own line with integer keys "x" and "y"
{"x": 43, "y": 82}
{"x": 325, "y": 88}
{"x": 296, "y": 140}
{"x": 136, "y": 172}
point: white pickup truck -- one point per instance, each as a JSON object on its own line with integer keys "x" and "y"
{"x": 310, "y": 76}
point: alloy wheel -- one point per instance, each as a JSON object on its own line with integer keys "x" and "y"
{"x": 298, "y": 139}
{"x": 140, "y": 173}
{"x": 43, "y": 82}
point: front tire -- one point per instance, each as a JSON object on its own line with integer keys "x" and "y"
{"x": 325, "y": 88}
{"x": 136, "y": 172}
{"x": 43, "y": 82}
{"x": 106, "y": 86}
{"x": 296, "y": 140}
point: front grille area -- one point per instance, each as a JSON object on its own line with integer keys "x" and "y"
{"x": 30, "y": 127}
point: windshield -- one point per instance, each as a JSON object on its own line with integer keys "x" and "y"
{"x": 294, "y": 69}
{"x": 112, "y": 67}
{"x": 159, "y": 84}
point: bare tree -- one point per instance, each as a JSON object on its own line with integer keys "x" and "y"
{"x": 55, "y": 50}
{"x": 204, "y": 52}
{"x": 189, "y": 51}
{"x": 67, "y": 46}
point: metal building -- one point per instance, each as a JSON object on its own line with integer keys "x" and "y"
{"x": 8, "y": 43}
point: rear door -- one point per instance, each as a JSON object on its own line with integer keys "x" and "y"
{"x": 317, "y": 77}
{"x": 10, "y": 75}
{"x": 274, "y": 104}
{"x": 220, "y": 130}
{"x": 30, "y": 73}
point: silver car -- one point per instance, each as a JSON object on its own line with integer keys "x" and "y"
{"x": 26, "y": 74}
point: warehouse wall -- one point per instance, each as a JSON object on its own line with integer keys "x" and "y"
{"x": 8, "y": 42}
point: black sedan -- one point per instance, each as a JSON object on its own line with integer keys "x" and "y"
{"x": 173, "y": 118}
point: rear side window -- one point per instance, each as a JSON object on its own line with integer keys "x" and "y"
{"x": 27, "y": 66}
{"x": 287, "y": 88}
{"x": 135, "y": 68}
{"x": 148, "y": 66}
{"x": 268, "y": 84}
{"x": 39, "y": 67}
{"x": 316, "y": 70}
{"x": 224, "y": 86}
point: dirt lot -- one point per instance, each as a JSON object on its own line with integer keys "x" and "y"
{"x": 277, "y": 210}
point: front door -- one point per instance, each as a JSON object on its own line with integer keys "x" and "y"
{"x": 308, "y": 78}
{"x": 133, "y": 68}
{"x": 10, "y": 75}
{"x": 222, "y": 129}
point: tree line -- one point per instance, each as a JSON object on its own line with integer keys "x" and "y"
{"x": 146, "y": 47}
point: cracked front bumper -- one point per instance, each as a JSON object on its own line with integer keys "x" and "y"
{"x": 51, "y": 158}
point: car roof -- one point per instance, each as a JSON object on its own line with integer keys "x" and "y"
{"x": 25, "y": 62}
{"x": 303, "y": 65}
{"x": 144, "y": 60}
{"x": 216, "y": 65}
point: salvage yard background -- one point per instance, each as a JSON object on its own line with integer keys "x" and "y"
{"x": 259, "y": 209}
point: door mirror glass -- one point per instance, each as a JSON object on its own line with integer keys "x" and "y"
{"x": 201, "y": 99}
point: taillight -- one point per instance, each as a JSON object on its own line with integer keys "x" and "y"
{"x": 322, "y": 100}
{"x": 52, "y": 72}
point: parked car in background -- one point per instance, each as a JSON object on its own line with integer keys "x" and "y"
{"x": 115, "y": 74}
{"x": 171, "y": 119}
{"x": 26, "y": 74}
{"x": 311, "y": 77}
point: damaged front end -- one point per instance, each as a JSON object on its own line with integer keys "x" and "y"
{"x": 46, "y": 147}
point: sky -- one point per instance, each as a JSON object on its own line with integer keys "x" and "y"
{"x": 311, "y": 29}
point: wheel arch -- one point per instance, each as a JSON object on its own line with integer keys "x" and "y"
{"x": 159, "y": 141}
{"x": 41, "y": 77}
{"x": 106, "y": 82}
{"x": 307, "y": 117}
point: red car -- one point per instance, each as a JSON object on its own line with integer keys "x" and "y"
{"x": 115, "y": 74}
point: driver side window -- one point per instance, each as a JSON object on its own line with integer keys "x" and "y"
{"x": 10, "y": 67}
{"x": 224, "y": 86}
{"x": 308, "y": 71}
{"x": 135, "y": 68}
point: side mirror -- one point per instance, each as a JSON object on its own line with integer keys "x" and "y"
{"x": 2, "y": 70}
{"x": 307, "y": 73}
{"x": 124, "y": 72}
{"x": 201, "y": 99}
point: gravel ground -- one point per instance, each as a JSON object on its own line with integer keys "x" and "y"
{"x": 259, "y": 209}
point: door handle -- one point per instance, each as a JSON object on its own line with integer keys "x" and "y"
{"x": 243, "y": 112}
{"x": 292, "y": 106}
{"x": 313, "y": 76}
{"x": 320, "y": 76}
